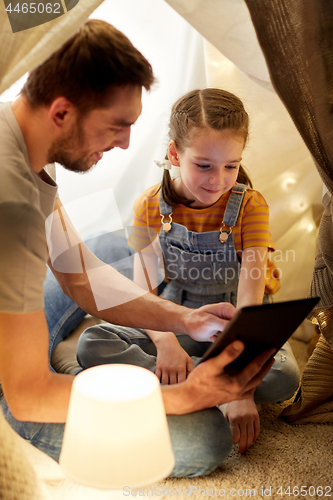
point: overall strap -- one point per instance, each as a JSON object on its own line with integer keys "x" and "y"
{"x": 165, "y": 209}
{"x": 234, "y": 205}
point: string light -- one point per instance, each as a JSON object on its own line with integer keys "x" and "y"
{"x": 288, "y": 183}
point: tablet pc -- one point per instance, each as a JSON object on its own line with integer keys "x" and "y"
{"x": 261, "y": 327}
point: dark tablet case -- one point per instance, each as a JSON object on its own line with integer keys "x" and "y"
{"x": 261, "y": 327}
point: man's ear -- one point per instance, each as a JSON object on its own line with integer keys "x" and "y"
{"x": 173, "y": 154}
{"x": 61, "y": 111}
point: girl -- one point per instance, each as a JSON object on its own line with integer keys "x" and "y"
{"x": 214, "y": 235}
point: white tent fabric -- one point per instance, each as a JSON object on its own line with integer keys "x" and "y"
{"x": 228, "y": 57}
{"x": 22, "y": 51}
{"x": 228, "y": 26}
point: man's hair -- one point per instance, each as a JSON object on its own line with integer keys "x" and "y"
{"x": 88, "y": 68}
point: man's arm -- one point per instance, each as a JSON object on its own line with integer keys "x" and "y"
{"x": 123, "y": 301}
{"x": 32, "y": 391}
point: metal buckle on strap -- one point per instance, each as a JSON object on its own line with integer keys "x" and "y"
{"x": 224, "y": 233}
{"x": 166, "y": 225}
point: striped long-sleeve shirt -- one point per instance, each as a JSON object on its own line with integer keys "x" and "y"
{"x": 251, "y": 229}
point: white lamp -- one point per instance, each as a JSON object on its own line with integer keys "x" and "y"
{"x": 116, "y": 433}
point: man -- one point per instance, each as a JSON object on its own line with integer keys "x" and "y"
{"x": 78, "y": 104}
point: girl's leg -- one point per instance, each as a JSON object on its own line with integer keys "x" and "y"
{"x": 282, "y": 380}
{"x": 106, "y": 343}
{"x": 192, "y": 347}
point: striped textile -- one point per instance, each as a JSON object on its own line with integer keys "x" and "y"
{"x": 251, "y": 229}
{"x": 296, "y": 39}
{"x": 314, "y": 403}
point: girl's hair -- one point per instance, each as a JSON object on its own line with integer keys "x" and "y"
{"x": 199, "y": 109}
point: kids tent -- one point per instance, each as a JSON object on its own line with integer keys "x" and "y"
{"x": 190, "y": 45}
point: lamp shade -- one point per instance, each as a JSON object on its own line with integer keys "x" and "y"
{"x": 116, "y": 433}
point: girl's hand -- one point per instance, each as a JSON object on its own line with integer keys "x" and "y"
{"x": 173, "y": 363}
{"x": 244, "y": 421}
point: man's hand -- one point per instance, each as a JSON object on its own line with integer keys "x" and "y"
{"x": 208, "y": 321}
{"x": 207, "y": 385}
{"x": 244, "y": 421}
{"x": 173, "y": 363}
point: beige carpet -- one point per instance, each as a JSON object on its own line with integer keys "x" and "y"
{"x": 283, "y": 456}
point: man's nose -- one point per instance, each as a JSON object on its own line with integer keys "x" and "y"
{"x": 123, "y": 139}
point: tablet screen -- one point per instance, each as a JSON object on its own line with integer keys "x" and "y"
{"x": 260, "y": 328}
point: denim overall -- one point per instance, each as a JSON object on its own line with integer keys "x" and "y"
{"x": 202, "y": 268}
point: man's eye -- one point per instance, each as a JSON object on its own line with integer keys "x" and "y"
{"x": 116, "y": 129}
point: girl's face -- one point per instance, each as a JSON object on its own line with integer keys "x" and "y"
{"x": 208, "y": 167}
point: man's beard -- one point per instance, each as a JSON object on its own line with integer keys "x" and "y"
{"x": 61, "y": 151}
